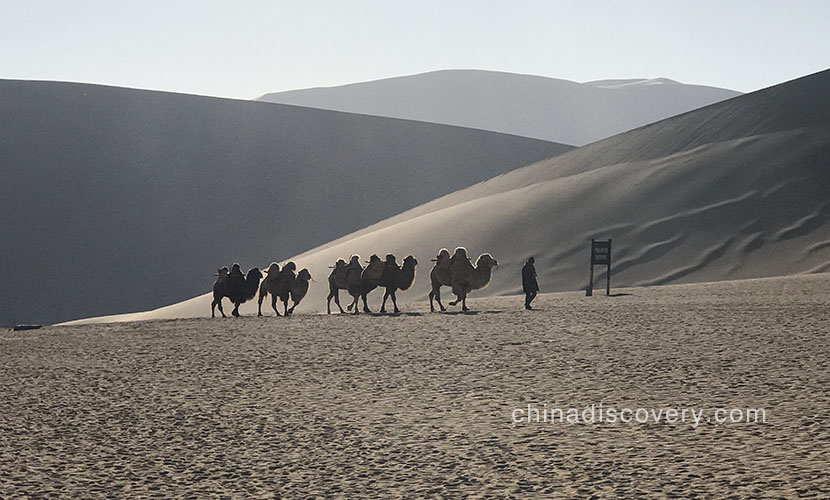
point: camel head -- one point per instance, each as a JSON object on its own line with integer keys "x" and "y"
{"x": 305, "y": 275}
{"x": 486, "y": 261}
{"x": 409, "y": 261}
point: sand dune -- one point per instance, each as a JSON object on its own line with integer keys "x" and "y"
{"x": 421, "y": 405}
{"x": 118, "y": 200}
{"x": 530, "y": 106}
{"x": 734, "y": 190}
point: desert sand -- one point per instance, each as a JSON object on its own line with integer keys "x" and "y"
{"x": 420, "y": 405}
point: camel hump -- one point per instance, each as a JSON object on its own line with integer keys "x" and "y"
{"x": 461, "y": 270}
{"x": 353, "y": 273}
{"x": 374, "y": 271}
{"x": 235, "y": 284}
{"x": 339, "y": 277}
{"x": 390, "y": 274}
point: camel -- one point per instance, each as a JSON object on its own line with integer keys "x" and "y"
{"x": 369, "y": 280}
{"x": 269, "y": 285}
{"x": 284, "y": 282}
{"x": 299, "y": 289}
{"x": 439, "y": 276}
{"x": 463, "y": 277}
{"x": 283, "y": 285}
{"x": 235, "y": 286}
{"x": 338, "y": 280}
{"x": 397, "y": 278}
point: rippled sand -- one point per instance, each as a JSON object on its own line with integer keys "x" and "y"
{"x": 420, "y": 404}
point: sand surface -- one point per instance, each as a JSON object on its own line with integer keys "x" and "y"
{"x": 421, "y": 404}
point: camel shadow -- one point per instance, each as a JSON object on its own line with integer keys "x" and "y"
{"x": 388, "y": 314}
{"x": 471, "y": 313}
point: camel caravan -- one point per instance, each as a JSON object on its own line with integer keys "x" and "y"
{"x": 455, "y": 271}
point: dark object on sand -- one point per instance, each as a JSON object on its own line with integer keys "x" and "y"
{"x": 600, "y": 256}
{"x": 18, "y": 328}
{"x": 529, "y": 284}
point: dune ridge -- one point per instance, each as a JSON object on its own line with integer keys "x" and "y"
{"x": 734, "y": 190}
{"x": 527, "y": 105}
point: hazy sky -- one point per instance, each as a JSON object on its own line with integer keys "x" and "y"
{"x": 244, "y": 49}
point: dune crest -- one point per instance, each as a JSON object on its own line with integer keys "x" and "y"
{"x": 530, "y": 106}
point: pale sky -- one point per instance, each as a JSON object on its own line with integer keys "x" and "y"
{"x": 243, "y": 49}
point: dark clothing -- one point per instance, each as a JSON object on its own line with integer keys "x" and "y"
{"x": 529, "y": 284}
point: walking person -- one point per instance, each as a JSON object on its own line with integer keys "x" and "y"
{"x": 529, "y": 284}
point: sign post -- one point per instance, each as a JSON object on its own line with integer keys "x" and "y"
{"x": 600, "y": 255}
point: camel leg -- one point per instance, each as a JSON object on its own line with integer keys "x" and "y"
{"x": 438, "y": 298}
{"x": 437, "y": 293}
{"x": 285, "y": 307}
{"x": 353, "y": 305}
{"x": 395, "y": 302}
{"x": 261, "y": 298}
{"x": 365, "y": 305}
{"x": 328, "y": 301}
{"x": 274, "y": 304}
{"x": 337, "y": 301}
{"x": 431, "y": 306}
{"x": 235, "y": 311}
{"x": 217, "y": 303}
{"x": 464, "y": 303}
{"x": 383, "y": 305}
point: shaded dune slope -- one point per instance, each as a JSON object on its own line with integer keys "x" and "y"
{"x": 118, "y": 200}
{"x": 734, "y": 190}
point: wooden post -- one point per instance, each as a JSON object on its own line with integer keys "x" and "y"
{"x": 608, "y": 272}
{"x": 600, "y": 254}
{"x": 590, "y": 290}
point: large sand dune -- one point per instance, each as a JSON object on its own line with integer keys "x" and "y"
{"x": 117, "y": 200}
{"x": 735, "y": 190}
{"x": 421, "y": 405}
{"x": 531, "y": 106}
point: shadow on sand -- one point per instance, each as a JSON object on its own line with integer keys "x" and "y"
{"x": 469, "y": 313}
{"x": 387, "y": 314}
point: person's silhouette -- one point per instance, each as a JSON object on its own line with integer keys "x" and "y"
{"x": 529, "y": 284}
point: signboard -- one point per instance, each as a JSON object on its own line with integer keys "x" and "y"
{"x": 600, "y": 252}
{"x": 600, "y": 256}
